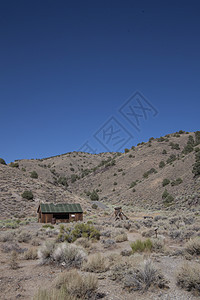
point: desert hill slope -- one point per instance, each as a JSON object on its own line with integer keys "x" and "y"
{"x": 134, "y": 178}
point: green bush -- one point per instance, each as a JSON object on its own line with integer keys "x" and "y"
{"x": 177, "y": 181}
{"x": 133, "y": 183}
{"x": 14, "y": 165}
{"x": 188, "y": 148}
{"x": 141, "y": 246}
{"x": 74, "y": 177}
{"x": 168, "y": 200}
{"x": 2, "y": 161}
{"x": 174, "y": 146}
{"x": 115, "y": 183}
{"x": 80, "y": 230}
{"x": 94, "y": 196}
{"x": 126, "y": 150}
{"x": 34, "y": 174}
{"x": 164, "y": 151}
{"x": 165, "y": 182}
{"x": 196, "y": 167}
{"x": 161, "y": 164}
{"x": 197, "y": 137}
{"x": 165, "y": 194}
{"x": 94, "y": 206}
{"x": 63, "y": 180}
{"x": 151, "y": 171}
{"x": 171, "y": 158}
{"x": 27, "y": 195}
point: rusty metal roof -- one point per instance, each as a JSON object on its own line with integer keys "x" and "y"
{"x": 61, "y": 208}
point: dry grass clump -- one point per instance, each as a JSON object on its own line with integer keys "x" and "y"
{"x": 68, "y": 255}
{"x": 81, "y": 287}
{"x": 83, "y": 242}
{"x": 143, "y": 277}
{"x": 193, "y": 246}
{"x": 31, "y": 253}
{"x": 53, "y": 294}
{"x": 71, "y": 286}
{"x": 141, "y": 246}
{"x": 96, "y": 263}
{"x": 121, "y": 238}
{"x": 188, "y": 277}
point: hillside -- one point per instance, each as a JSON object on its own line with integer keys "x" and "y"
{"x": 133, "y": 179}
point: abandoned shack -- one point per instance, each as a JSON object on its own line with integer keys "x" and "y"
{"x": 61, "y": 212}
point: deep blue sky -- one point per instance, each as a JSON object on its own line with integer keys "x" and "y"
{"x": 66, "y": 68}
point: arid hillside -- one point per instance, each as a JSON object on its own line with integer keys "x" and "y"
{"x": 157, "y": 174}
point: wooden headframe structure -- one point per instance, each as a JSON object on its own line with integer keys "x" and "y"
{"x": 119, "y": 215}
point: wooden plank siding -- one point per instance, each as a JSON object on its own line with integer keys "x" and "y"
{"x": 48, "y": 217}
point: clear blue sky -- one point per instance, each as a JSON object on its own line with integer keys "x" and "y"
{"x": 67, "y": 67}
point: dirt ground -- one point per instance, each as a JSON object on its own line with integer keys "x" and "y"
{"x": 24, "y": 282}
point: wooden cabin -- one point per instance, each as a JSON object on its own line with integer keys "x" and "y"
{"x": 61, "y": 212}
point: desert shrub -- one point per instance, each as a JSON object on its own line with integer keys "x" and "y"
{"x": 165, "y": 194}
{"x": 161, "y": 139}
{"x": 151, "y": 171}
{"x": 161, "y": 164}
{"x": 164, "y": 151}
{"x": 193, "y": 246}
{"x": 144, "y": 276}
{"x": 35, "y": 242}
{"x": 27, "y": 195}
{"x": 157, "y": 245}
{"x": 75, "y": 285}
{"x": 96, "y": 263}
{"x": 121, "y": 238}
{"x": 31, "y": 253}
{"x": 7, "y": 236}
{"x": 14, "y": 164}
{"x": 187, "y": 149}
{"x": 69, "y": 255}
{"x": 168, "y": 200}
{"x": 14, "y": 260}
{"x": 197, "y": 137}
{"x": 188, "y": 277}
{"x": 24, "y": 237}
{"x": 196, "y": 167}
{"x": 165, "y": 182}
{"x": 171, "y": 158}
{"x": 174, "y": 146}
{"x": 53, "y": 294}
{"x": 140, "y": 246}
{"x": 45, "y": 253}
{"x": 94, "y": 206}
{"x": 34, "y": 174}
{"x": 74, "y": 177}
{"x": 48, "y": 226}
{"x": 2, "y": 161}
{"x": 133, "y": 183}
{"x": 83, "y": 242}
{"x": 126, "y": 150}
{"x": 80, "y": 230}
{"x": 63, "y": 180}
{"x": 177, "y": 181}
{"x": 115, "y": 183}
{"x": 94, "y": 196}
